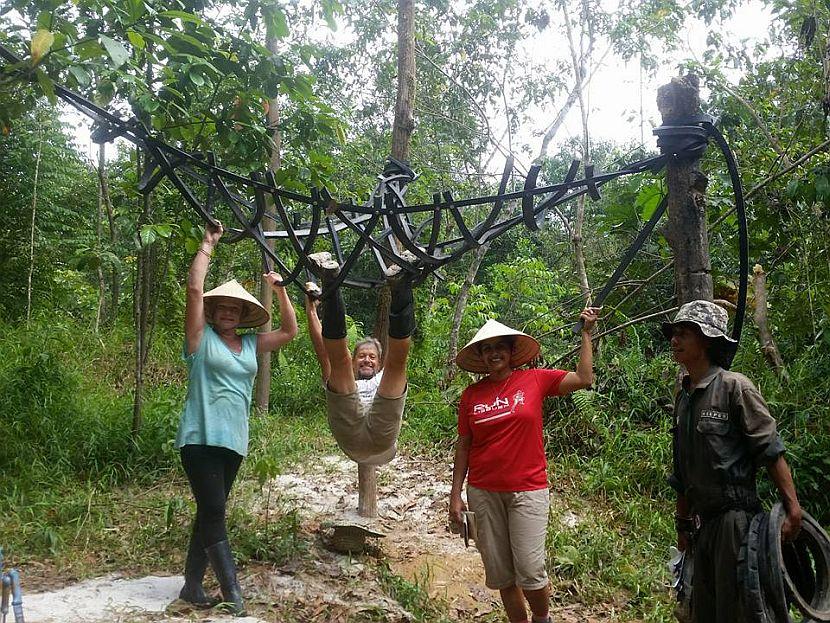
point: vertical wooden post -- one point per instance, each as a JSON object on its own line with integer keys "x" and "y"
{"x": 402, "y": 128}
{"x": 266, "y": 295}
{"x": 686, "y": 229}
{"x": 367, "y": 502}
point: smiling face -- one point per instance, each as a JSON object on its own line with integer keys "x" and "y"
{"x": 688, "y": 344}
{"x": 366, "y": 361}
{"x": 227, "y": 313}
{"x": 495, "y": 353}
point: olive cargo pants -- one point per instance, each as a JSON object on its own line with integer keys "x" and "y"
{"x": 716, "y": 596}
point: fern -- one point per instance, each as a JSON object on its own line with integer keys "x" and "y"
{"x": 586, "y": 403}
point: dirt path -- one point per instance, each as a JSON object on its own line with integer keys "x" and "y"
{"x": 323, "y": 585}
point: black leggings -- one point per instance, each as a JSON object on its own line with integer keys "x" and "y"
{"x": 211, "y": 471}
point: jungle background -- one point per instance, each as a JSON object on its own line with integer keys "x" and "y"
{"x": 92, "y": 273}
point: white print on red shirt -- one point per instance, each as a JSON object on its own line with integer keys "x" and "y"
{"x": 497, "y": 405}
{"x": 518, "y": 399}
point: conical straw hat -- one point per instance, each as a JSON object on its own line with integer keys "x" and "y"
{"x": 253, "y": 313}
{"x": 525, "y": 348}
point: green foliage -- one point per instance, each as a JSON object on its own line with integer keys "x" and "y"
{"x": 53, "y": 394}
{"x": 203, "y": 79}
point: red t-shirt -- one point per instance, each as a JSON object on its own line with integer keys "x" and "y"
{"x": 505, "y": 421}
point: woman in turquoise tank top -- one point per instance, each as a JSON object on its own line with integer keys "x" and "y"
{"x": 213, "y": 430}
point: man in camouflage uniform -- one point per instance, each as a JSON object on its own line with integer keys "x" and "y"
{"x": 723, "y": 432}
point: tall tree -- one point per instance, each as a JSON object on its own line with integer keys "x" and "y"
{"x": 686, "y": 230}
{"x": 266, "y": 294}
{"x": 402, "y": 128}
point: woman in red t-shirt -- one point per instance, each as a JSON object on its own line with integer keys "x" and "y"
{"x": 501, "y": 449}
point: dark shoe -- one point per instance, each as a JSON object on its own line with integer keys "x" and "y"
{"x": 194, "y": 572}
{"x": 324, "y": 266}
{"x": 221, "y": 560}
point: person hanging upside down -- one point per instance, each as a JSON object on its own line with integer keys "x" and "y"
{"x": 501, "y": 448}
{"x": 365, "y": 389}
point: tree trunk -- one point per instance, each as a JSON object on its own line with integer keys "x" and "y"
{"x": 266, "y": 294}
{"x": 686, "y": 228}
{"x": 451, "y": 369}
{"x": 768, "y": 347}
{"x": 580, "y": 60}
{"x": 32, "y": 235}
{"x": 404, "y": 122}
{"x": 99, "y": 217}
{"x": 151, "y": 274}
{"x": 402, "y": 128}
{"x": 115, "y": 273}
{"x": 141, "y": 310}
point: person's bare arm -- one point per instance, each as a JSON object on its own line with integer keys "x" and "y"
{"x": 779, "y": 473}
{"x": 272, "y": 340}
{"x": 584, "y": 375}
{"x": 459, "y": 473}
{"x": 194, "y": 313}
{"x": 315, "y": 332}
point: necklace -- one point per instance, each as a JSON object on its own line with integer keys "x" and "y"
{"x": 504, "y": 385}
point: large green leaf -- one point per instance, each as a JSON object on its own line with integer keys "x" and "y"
{"x": 117, "y": 52}
{"x": 81, "y": 75}
{"x": 648, "y": 199}
{"x": 184, "y": 16}
{"x": 136, "y": 39}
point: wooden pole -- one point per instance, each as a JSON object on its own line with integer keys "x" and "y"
{"x": 367, "y": 479}
{"x": 686, "y": 228}
{"x": 402, "y": 128}
{"x": 266, "y": 295}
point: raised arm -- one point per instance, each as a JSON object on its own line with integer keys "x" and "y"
{"x": 315, "y": 332}
{"x": 194, "y": 314}
{"x": 272, "y": 340}
{"x": 584, "y": 375}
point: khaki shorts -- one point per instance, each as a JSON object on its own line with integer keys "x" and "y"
{"x": 366, "y": 433}
{"x": 511, "y": 536}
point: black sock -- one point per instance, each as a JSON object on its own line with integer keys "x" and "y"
{"x": 402, "y": 312}
{"x": 334, "y": 316}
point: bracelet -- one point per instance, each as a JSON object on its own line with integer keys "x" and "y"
{"x": 201, "y": 250}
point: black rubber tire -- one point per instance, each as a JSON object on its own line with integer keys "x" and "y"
{"x": 798, "y": 571}
{"x": 749, "y": 581}
{"x": 771, "y": 566}
{"x": 810, "y": 595}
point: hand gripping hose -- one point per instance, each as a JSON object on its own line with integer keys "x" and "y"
{"x": 774, "y": 575}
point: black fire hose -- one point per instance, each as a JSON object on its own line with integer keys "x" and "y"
{"x": 775, "y": 575}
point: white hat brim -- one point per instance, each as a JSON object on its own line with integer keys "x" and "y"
{"x": 253, "y": 313}
{"x": 525, "y": 348}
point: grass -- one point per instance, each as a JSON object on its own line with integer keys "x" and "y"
{"x": 83, "y": 497}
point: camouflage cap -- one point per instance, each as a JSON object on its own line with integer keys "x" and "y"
{"x": 711, "y": 319}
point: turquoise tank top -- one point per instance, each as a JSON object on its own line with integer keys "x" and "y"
{"x": 220, "y": 383}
